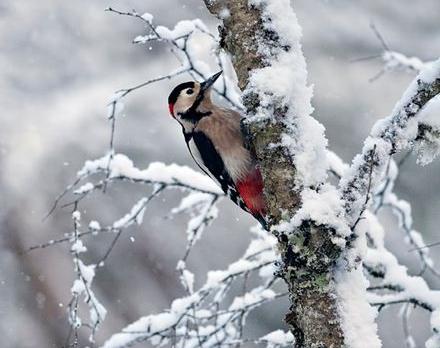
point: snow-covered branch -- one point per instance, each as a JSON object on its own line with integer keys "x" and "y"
{"x": 384, "y": 197}
{"x": 199, "y": 318}
{"x": 427, "y": 143}
{"x": 395, "y": 61}
{"x": 388, "y": 274}
{"x": 375, "y": 169}
{"x": 390, "y": 135}
{"x": 183, "y": 45}
{"x": 82, "y": 288}
{"x": 99, "y": 174}
{"x": 393, "y": 278}
{"x": 122, "y": 169}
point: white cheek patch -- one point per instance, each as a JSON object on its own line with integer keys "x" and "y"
{"x": 184, "y": 102}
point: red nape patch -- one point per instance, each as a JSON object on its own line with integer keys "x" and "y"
{"x": 171, "y": 108}
{"x": 251, "y": 191}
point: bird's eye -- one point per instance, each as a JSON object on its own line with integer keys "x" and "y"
{"x": 189, "y": 91}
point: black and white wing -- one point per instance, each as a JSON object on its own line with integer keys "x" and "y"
{"x": 208, "y": 159}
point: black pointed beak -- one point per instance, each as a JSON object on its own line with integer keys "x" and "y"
{"x": 209, "y": 82}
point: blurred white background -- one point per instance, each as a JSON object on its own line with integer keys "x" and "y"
{"x": 60, "y": 62}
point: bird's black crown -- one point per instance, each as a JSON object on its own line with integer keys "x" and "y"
{"x": 172, "y": 98}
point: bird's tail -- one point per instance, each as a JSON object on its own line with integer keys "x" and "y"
{"x": 261, "y": 219}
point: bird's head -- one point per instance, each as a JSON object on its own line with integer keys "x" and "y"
{"x": 190, "y": 96}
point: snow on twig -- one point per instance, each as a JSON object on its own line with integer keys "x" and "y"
{"x": 202, "y": 209}
{"x": 385, "y": 198}
{"x": 180, "y": 38}
{"x": 393, "y": 60}
{"x": 215, "y": 326}
{"x": 123, "y": 169}
{"x": 82, "y": 288}
{"x": 388, "y": 136}
{"x": 402, "y": 288}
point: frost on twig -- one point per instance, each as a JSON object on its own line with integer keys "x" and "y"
{"x": 393, "y": 60}
{"x": 384, "y": 197}
{"x": 82, "y": 289}
{"x": 105, "y": 172}
{"x": 202, "y": 319}
{"x": 183, "y": 42}
{"x": 160, "y": 177}
{"x": 202, "y": 209}
{"x": 427, "y": 142}
{"x": 393, "y": 285}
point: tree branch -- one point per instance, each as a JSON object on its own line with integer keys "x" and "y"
{"x": 284, "y": 138}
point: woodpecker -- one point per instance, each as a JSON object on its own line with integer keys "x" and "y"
{"x": 215, "y": 141}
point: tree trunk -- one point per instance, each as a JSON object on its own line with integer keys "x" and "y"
{"x": 308, "y": 254}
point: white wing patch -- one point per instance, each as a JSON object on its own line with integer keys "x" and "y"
{"x": 233, "y": 163}
{"x": 237, "y": 165}
{"x": 195, "y": 154}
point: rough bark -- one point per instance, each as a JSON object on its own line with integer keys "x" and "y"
{"x": 308, "y": 255}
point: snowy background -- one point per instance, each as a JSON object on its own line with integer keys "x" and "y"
{"x": 59, "y": 64}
